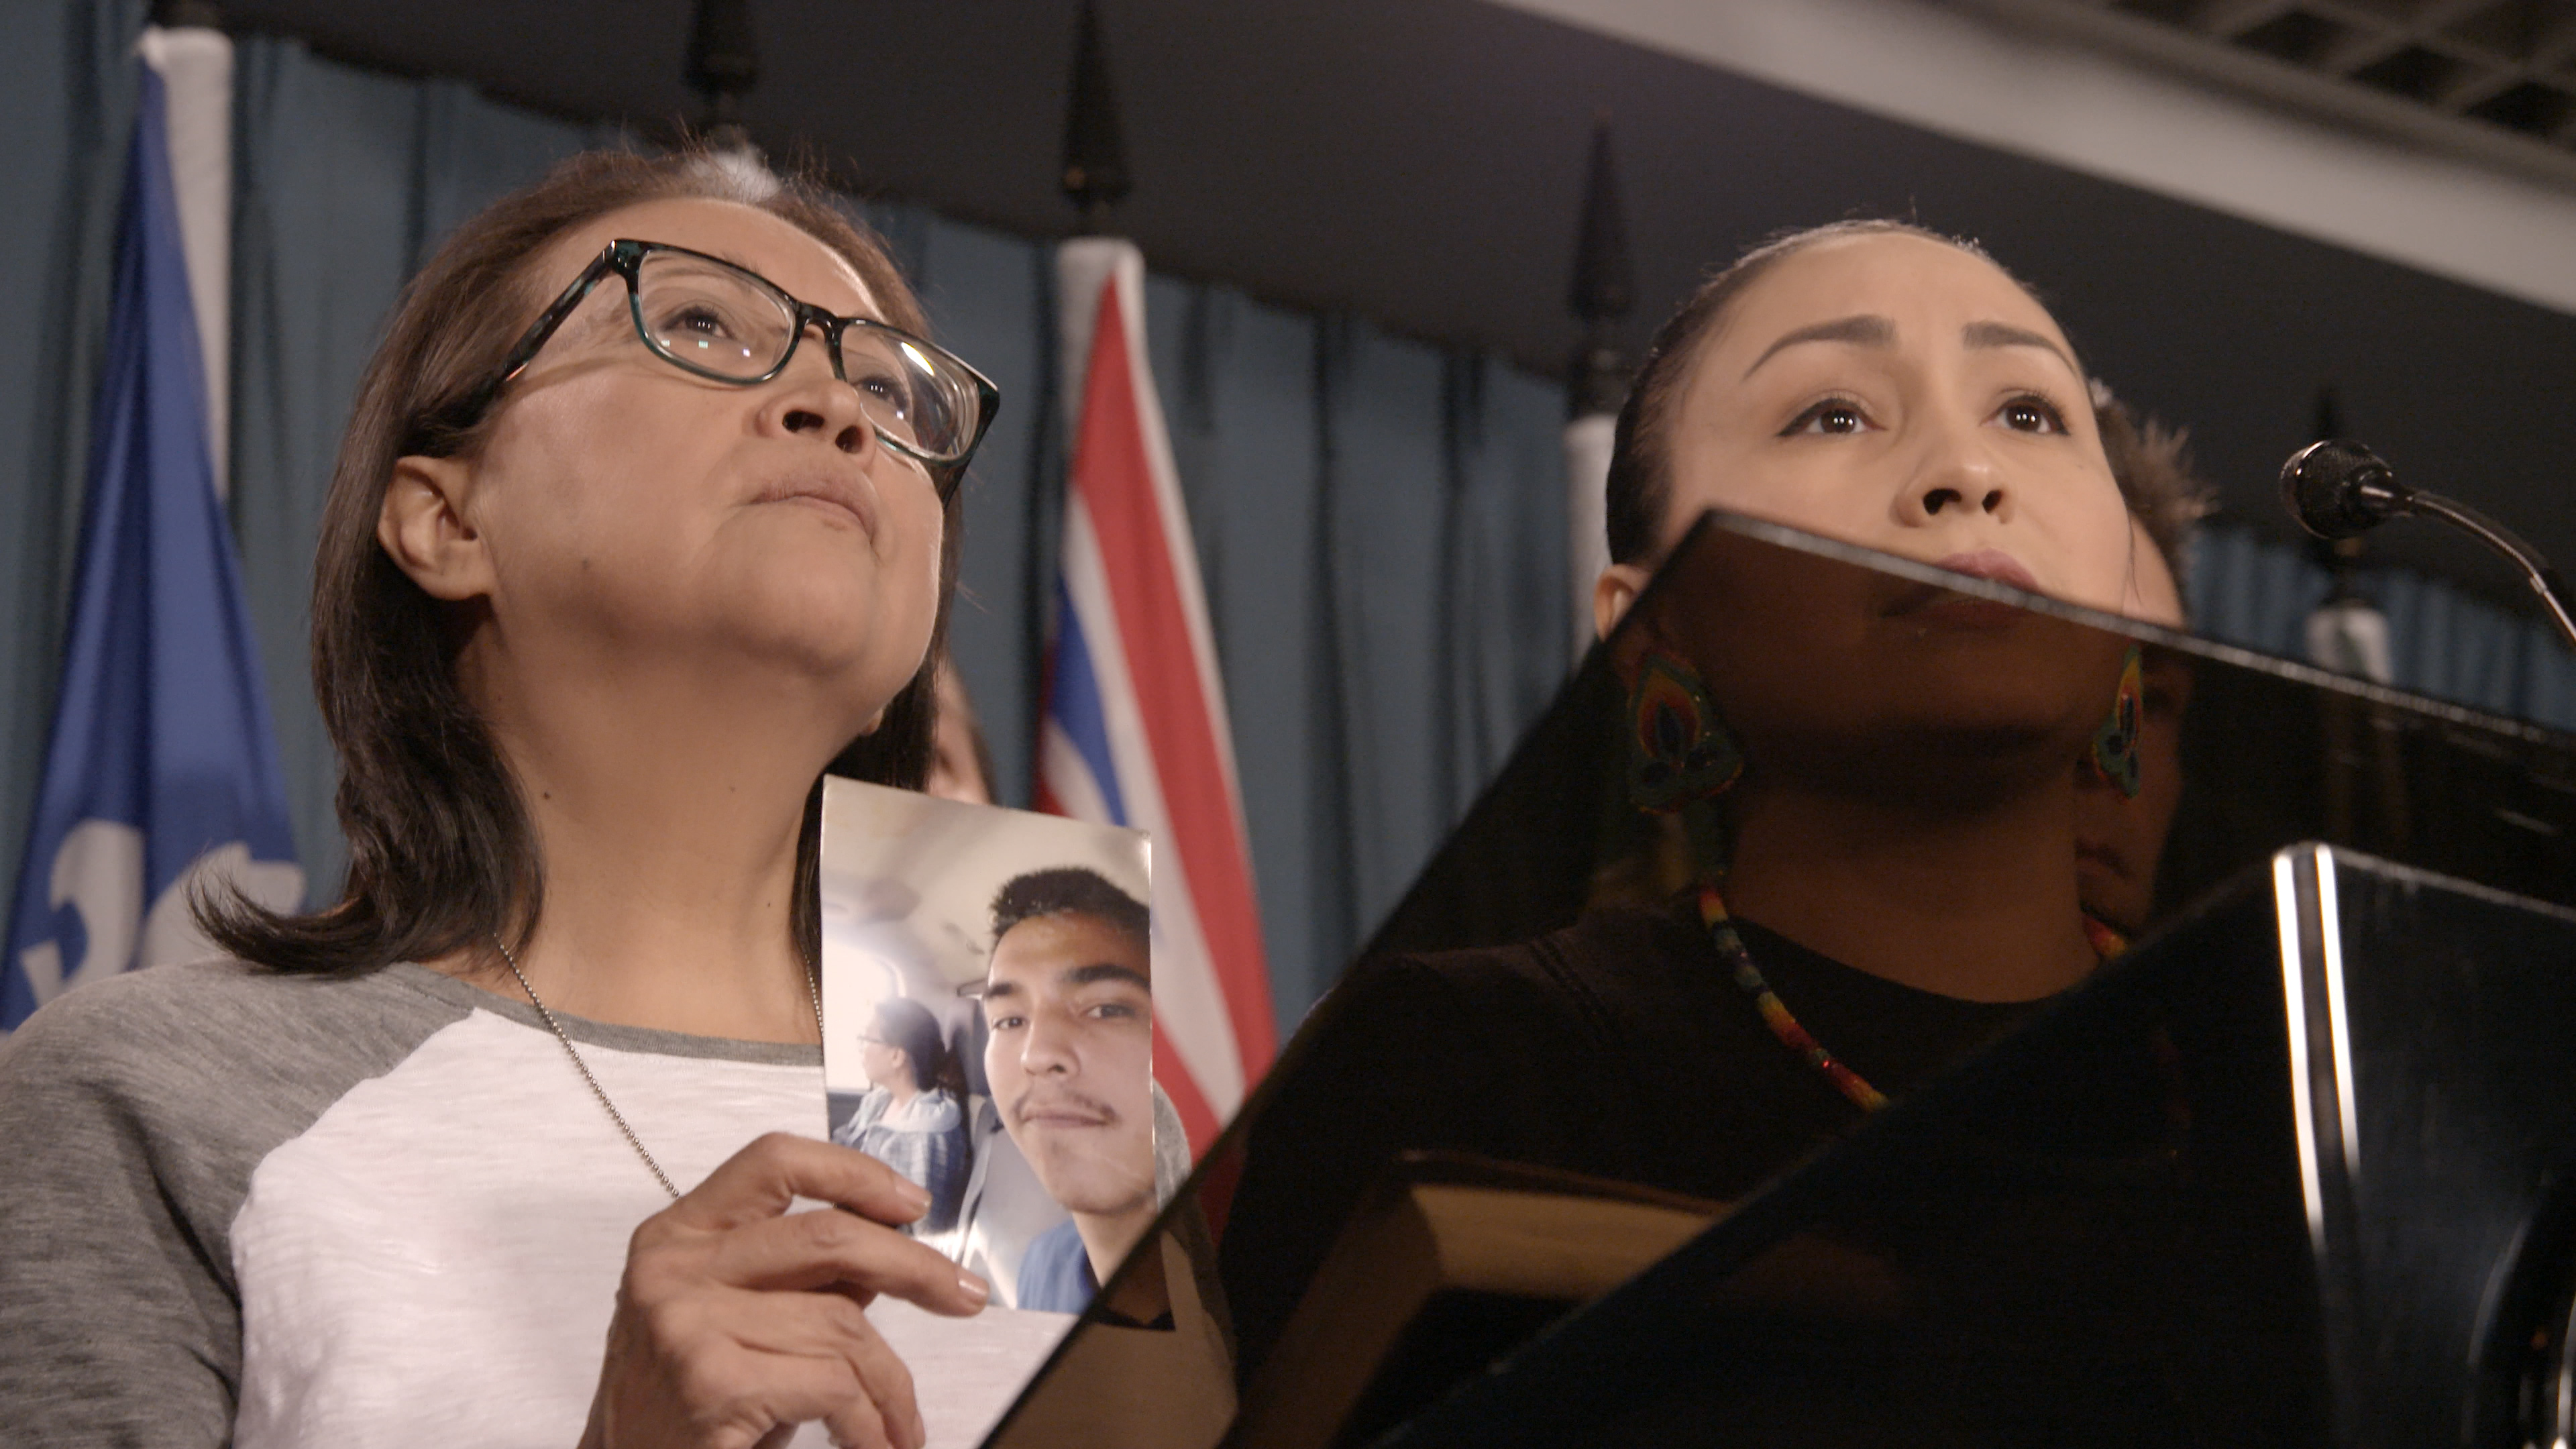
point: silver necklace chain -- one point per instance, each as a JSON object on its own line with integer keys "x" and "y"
{"x": 812, "y": 994}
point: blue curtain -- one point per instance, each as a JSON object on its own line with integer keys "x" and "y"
{"x": 67, "y": 97}
{"x": 2441, "y": 642}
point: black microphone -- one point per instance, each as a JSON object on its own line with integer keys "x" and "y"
{"x": 2339, "y": 489}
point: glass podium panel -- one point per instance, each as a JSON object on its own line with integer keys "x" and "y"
{"x": 2296, "y": 1172}
{"x": 1591, "y": 1023}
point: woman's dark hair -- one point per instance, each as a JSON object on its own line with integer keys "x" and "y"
{"x": 959, "y": 709}
{"x": 442, "y": 856}
{"x": 909, "y": 1027}
{"x": 2152, "y": 464}
{"x": 1641, "y": 454}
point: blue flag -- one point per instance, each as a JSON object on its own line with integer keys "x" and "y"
{"x": 163, "y": 776}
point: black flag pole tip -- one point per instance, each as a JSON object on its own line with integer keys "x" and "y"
{"x": 724, "y": 64}
{"x": 1095, "y": 155}
{"x": 187, "y": 14}
{"x": 2340, "y": 557}
{"x": 1602, "y": 290}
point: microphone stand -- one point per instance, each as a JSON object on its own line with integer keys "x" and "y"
{"x": 2535, "y": 569}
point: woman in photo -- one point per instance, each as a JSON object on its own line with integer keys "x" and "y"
{"x": 912, "y": 1119}
{"x": 645, "y": 516}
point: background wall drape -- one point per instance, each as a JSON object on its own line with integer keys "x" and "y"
{"x": 2441, "y": 642}
{"x": 1380, "y": 522}
{"x": 67, "y": 97}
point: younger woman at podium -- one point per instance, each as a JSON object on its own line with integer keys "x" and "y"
{"x": 1882, "y": 770}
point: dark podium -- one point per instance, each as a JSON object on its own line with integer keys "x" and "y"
{"x": 2302, "y": 1172}
{"x": 2299, "y": 1168}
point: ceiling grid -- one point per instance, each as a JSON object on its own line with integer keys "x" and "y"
{"x": 2509, "y": 64}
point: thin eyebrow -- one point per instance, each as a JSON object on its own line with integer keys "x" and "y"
{"x": 866, "y": 299}
{"x": 2004, "y": 334}
{"x": 747, "y": 269}
{"x": 710, "y": 254}
{"x": 1865, "y": 330}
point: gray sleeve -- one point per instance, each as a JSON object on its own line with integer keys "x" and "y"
{"x": 132, "y": 1111}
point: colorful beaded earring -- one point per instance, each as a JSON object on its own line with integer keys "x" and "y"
{"x": 1678, "y": 750}
{"x": 2115, "y": 744}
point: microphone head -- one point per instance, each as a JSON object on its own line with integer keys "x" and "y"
{"x": 2338, "y": 489}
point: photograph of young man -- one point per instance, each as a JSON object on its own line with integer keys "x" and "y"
{"x": 1068, "y": 1002}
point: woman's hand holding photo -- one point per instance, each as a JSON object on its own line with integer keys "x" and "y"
{"x": 738, "y": 1320}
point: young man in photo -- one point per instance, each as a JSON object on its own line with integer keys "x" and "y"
{"x": 1068, "y": 1002}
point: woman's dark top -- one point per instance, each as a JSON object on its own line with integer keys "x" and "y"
{"x": 1619, "y": 1047}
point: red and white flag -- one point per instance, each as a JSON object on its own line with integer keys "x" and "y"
{"x": 1134, "y": 730}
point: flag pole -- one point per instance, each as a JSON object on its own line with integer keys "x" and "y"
{"x": 1133, "y": 728}
{"x": 1601, "y": 296}
{"x": 1095, "y": 180}
{"x": 2346, "y": 632}
{"x": 723, "y": 66}
{"x": 186, "y": 44}
{"x": 161, "y": 782}
{"x": 1095, "y": 153}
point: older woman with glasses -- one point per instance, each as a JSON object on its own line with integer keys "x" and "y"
{"x": 645, "y": 518}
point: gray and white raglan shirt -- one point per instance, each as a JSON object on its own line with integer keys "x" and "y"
{"x": 239, "y": 1207}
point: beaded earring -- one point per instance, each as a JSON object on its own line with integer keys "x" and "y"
{"x": 1678, "y": 750}
{"x": 2115, "y": 744}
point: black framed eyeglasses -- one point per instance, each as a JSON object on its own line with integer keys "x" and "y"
{"x": 709, "y": 317}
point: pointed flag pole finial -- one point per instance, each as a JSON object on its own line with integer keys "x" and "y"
{"x": 2347, "y": 632}
{"x": 724, "y": 64}
{"x": 1602, "y": 292}
{"x": 1095, "y": 156}
{"x": 1596, "y": 379}
{"x": 2339, "y": 557}
{"x": 188, "y": 14}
